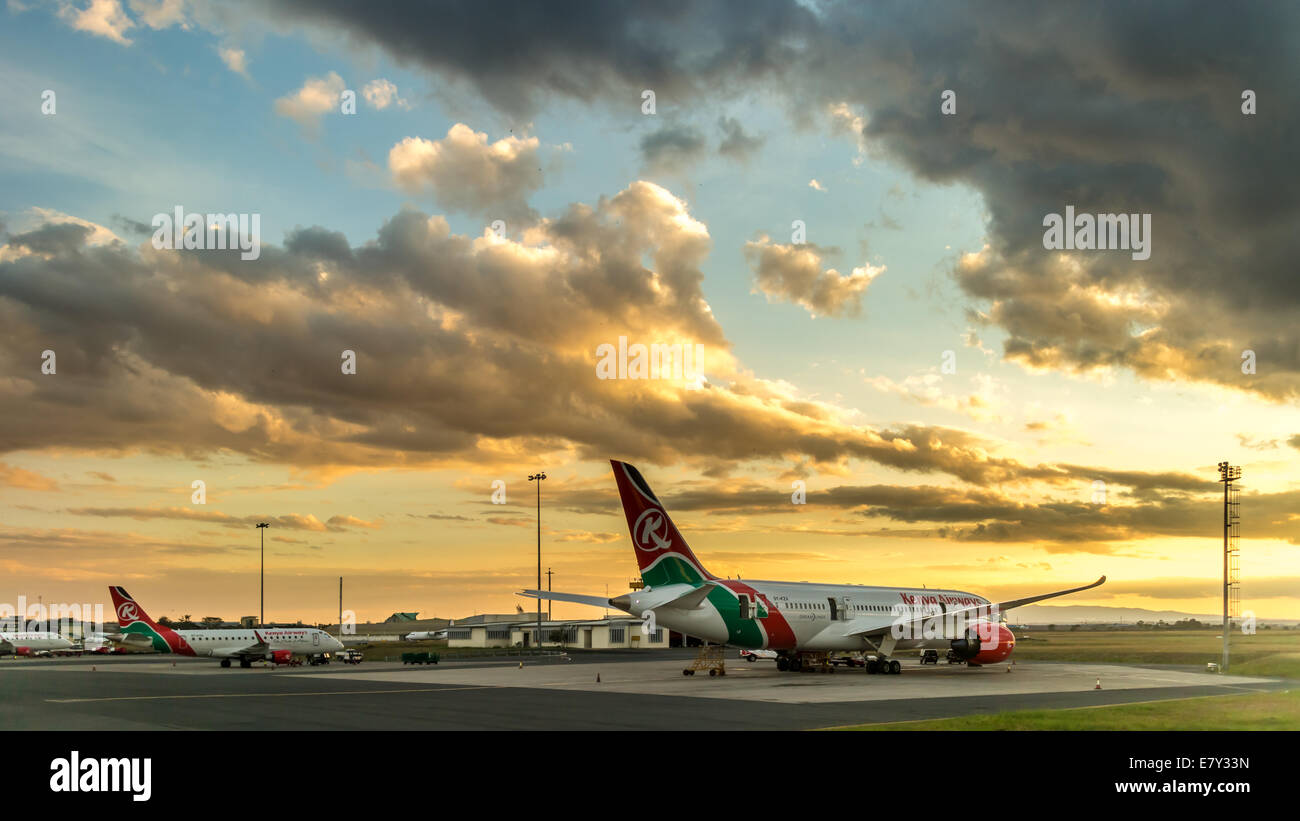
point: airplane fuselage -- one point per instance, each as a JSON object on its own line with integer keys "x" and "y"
{"x": 21, "y": 642}
{"x": 229, "y": 643}
{"x": 779, "y": 615}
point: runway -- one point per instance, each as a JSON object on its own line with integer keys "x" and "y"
{"x": 645, "y": 693}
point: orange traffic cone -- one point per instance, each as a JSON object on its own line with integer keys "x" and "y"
{"x": 1098, "y": 687}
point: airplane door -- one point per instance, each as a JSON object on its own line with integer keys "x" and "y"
{"x": 834, "y": 611}
{"x": 315, "y": 639}
{"x": 744, "y": 606}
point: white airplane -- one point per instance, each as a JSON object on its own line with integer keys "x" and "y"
{"x": 425, "y": 635}
{"x": 795, "y": 618}
{"x": 279, "y": 644}
{"x": 118, "y": 643}
{"x": 29, "y": 643}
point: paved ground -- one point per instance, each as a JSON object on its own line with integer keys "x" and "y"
{"x": 648, "y": 692}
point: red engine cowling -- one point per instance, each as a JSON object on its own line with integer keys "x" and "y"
{"x": 282, "y": 656}
{"x": 22, "y": 651}
{"x": 996, "y": 643}
{"x": 984, "y": 643}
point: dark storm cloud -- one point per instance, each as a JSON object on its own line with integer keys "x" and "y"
{"x": 523, "y": 52}
{"x": 1109, "y": 107}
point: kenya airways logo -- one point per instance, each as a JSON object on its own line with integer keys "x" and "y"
{"x": 127, "y": 611}
{"x": 649, "y": 525}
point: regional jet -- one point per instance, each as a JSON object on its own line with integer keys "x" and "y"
{"x": 28, "y": 643}
{"x": 279, "y": 645}
{"x": 800, "y": 621}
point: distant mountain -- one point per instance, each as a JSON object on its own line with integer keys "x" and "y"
{"x": 1077, "y": 614}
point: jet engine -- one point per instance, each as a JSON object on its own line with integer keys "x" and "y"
{"x": 984, "y": 643}
{"x": 281, "y": 656}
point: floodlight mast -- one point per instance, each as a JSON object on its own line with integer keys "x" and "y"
{"x": 539, "y": 477}
{"x": 1231, "y": 552}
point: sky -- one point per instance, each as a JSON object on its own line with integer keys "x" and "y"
{"x": 841, "y": 205}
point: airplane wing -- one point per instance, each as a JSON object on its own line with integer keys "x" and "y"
{"x": 689, "y": 600}
{"x": 131, "y": 641}
{"x": 673, "y": 597}
{"x": 870, "y": 626}
{"x": 258, "y": 649}
{"x": 594, "y": 601}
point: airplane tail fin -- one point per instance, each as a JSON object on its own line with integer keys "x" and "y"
{"x": 661, "y": 552}
{"x": 128, "y": 612}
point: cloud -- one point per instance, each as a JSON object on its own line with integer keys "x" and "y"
{"x": 1151, "y": 128}
{"x": 524, "y": 53}
{"x": 736, "y": 144}
{"x": 793, "y": 273}
{"x": 288, "y": 521}
{"x": 102, "y": 18}
{"x": 471, "y": 175}
{"x": 995, "y": 516}
{"x": 467, "y": 346}
{"x": 317, "y": 97}
{"x": 672, "y": 149}
{"x": 20, "y": 479}
{"x": 983, "y": 403}
{"x": 235, "y": 60}
{"x": 345, "y": 522}
{"x": 160, "y": 14}
{"x": 844, "y": 120}
{"x": 48, "y": 233}
{"x": 382, "y": 93}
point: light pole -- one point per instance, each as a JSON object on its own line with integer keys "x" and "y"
{"x": 549, "y": 572}
{"x": 1231, "y": 523}
{"x": 261, "y": 589}
{"x": 539, "y": 478}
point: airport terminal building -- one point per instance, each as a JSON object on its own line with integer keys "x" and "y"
{"x": 622, "y": 632}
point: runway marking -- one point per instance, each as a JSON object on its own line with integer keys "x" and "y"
{"x": 269, "y": 695}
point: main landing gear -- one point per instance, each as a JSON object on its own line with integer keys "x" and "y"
{"x": 820, "y": 662}
{"x": 884, "y": 666}
{"x": 225, "y": 662}
{"x": 805, "y": 662}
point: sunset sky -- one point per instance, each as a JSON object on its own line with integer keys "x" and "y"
{"x": 476, "y": 348}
